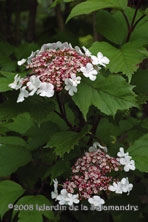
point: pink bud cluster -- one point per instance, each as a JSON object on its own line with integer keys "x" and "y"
{"x": 56, "y": 65}
{"x": 90, "y": 174}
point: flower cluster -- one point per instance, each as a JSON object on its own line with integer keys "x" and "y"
{"x": 126, "y": 160}
{"x": 57, "y": 66}
{"x": 91, "y": 174}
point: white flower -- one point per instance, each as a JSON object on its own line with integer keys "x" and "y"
{"x": 62, "y": 197}
{"x": 126, "y": 160}
{"x": 121, "y": 153}
{"x": 71, "y": 84}
{"x": 67, "y": 198}
{"x": 127, "y": 163}
{"x": 33, "y": 84}
{"x": 96, "y": 201}
{"x": 92, "y": 149}
{"x": 21, "y": 62}
{"x": 122, "y": 186}
{"x": 87, "y": 52}
{"x": 72, "y": 198}
{"x": 23, "y": 93}
{"x": 89, "y": 71}
{"x": 100, "y": 59}
{"x": 97, "y": 145}
{"x": 46, "y": 89}
{"x": 130, "y": 166}
{"x": 116, "y": 187}
{"x": 32, "y": 55}
{"x": 77, "y": 48}
{"x": 17, "y": 82}
{"x": 126, "y": 186}
{"x": 54, "y": 193}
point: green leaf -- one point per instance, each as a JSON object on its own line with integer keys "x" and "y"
{"x": 146, "y": 12}
{"x": 37, "y": 210}
{"x": 57, "y": 169}
{"x": 93, "y": 5}
{"x": 9, "y": 193}
{"x": 12, "y": 140}
{"x": 108, "y": 94}
{"x": 6, "y": 80}
{"x": 139, "y": 79}
{"x": 112, "y": 23}
{"x": 55, "y": 3}
{"x": 124, "y": 60}
{"x": 38, "y": 108}
{"x": 64, "y": 141}
{"x": 39, "y": 136}
{"x": 21, "y": 123}
{"x": 140, "y": 31}
{"x": 24, "y": 50}
{"x": 139, "y": 152}
{"x": 11, "y": 158}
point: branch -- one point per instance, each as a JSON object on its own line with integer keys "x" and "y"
{"x": 133, "y": 23}
{"x": 62, "y": 114}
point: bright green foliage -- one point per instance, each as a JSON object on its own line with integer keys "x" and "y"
{"x": 21, "y": 123}
{"x": 12, "y": 157}
{"x": 33, "y": 214}
{"x": 122, "y": 60}
{"x": 140, "y": 32}
{"x": 139, "y": 152}
{"x": 94, "y": 5}
{"x": 9, "y": 193}
{"x": 65, "y": 141}
{"x": 108, "y": 94}
{"x": 112, "y": 23}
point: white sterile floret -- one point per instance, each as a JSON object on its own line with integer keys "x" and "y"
{"x": 54, "y": 193}
{"x": 127, "y": 163}
{"x": 72, "y": 199}
{"x": 97, "y": 145}
{"x": 87, "y": 52}
{"x": 77, "y": 48}
{"x": 17, "y": 83}
{"x": 62, "y": 197}
{"x": 71, "y": 84}
{"x": 122, "y": 186}
{"x": 121, "y": 153}
{"x": 32, "y": 55}
{"x": 33, "y": 84}
{"x": 126, "y": 160}
{"x": 100, "y": 59}
{"x": 89, "y": 71}
{"x": 116, "y": 187}
{"x": 21, "y": 62}
{"x": 126, "y": 186}
{"x": 46, "y": 90}
{"x": 23, "y": 94}
{"x": 96, "y": 201}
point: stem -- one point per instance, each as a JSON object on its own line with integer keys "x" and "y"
{"x": 62, "y": 114}
{"x": 138, "y": 21}
{"x": 95, "y": 34}
{"x": 133, "y": 24}
{"x": 93, "y": 130}
{"x": 126, "y": 18}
